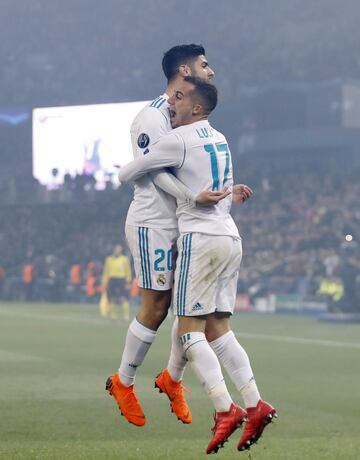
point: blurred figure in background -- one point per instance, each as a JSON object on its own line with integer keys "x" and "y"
{"x": 92, "y": 285}
{"x": 75, "y": 281}
{"x": 116, "y": 281}
{"x": 28, "y": 280}
{"x": 332, "y": 289}
{"x": 135, "y": 292}
{"x": 2, "y": 279}
{"x": 350, "y": 275}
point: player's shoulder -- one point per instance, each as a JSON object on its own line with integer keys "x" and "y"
{"x": 218, "y": 134}
{"x": 154, "y": 112}
{"x": 158, "y": 105}
{"x": 159, "y": 102}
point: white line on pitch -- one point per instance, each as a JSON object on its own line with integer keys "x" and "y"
{"x": 107, "y": 322}
{"x": 56, "y": 317}
{"x": 302, "y": 340}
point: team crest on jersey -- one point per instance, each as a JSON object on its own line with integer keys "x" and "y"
{"x": 161, "y": 280}
{"x": 143, "y": 140}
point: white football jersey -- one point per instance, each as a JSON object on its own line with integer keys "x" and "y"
{"x": 200, "y": 158}
{"x": 151, "y": 207}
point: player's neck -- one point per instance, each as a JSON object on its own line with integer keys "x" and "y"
{"x": 196, "y": 119}
{"x": 172, "y": 86}
{"x": 200, "y": 118}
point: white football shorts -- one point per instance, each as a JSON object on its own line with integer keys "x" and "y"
{"x": 206, "y": 274}
{"x": 154, "y": 254}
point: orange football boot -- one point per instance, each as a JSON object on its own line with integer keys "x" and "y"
{"x": 126, "y": 400}
{"x": 175, "y": 392}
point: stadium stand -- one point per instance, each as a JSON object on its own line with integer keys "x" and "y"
{"x": 294, "y": 233}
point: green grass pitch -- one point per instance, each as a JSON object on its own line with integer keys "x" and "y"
{"x": 54, "y": 361}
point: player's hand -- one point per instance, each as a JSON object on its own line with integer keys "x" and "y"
{"x": 208, "y": 198}
{"x": 241, "y": 193}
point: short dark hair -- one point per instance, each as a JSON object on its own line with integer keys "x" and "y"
{"x": 178, "y": 55}
{"x": 205, "y": 91}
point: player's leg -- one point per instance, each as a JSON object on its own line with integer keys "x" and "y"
{"x": 204, "y": 361}
{"x": 151, "y": 256}
{"x": 139, "y": 339}
{"x": 233, "y": 356}
{"x": 202, "y": 259}
{"x": 151, "y": 251}
{"x": 177, "y": 360}
{"x": 169, "y": 381}
{"x": 154, "y": 307}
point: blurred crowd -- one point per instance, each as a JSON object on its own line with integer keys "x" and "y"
{"x": 300, "y": 229}
{"x": 300, "y": 235}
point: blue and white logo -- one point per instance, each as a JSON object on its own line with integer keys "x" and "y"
{"x": 197, "y": 307}
{"x": 143, "y": 140}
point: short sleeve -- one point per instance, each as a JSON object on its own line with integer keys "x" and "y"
{"x": 147, "y": 129}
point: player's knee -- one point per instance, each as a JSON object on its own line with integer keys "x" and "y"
{"x": 154, "y": 311}
{"x": 216, "y": 326}
{"x": 152, "y": 318}
{"x": 159, "y": 314}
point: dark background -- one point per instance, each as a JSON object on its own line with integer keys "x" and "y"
{"x": 85, "y": 51}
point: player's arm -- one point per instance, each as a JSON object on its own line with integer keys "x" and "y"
{"x": 173, "y": 186}
{"x": 167, "y": 152}
{"x": 153, "y": 127}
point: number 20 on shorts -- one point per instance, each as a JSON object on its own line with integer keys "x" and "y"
{"x": 163, "y": 260}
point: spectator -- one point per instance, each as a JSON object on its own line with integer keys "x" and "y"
{"x": 28, "y": 280}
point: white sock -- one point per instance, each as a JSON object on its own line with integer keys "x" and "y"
{"x": 250, "y": 394}
{"x": 207, "y": 368}
{"x": 138, "y": 341}
{"x": 236, "y": 363}
{"x": 177, "y": 358}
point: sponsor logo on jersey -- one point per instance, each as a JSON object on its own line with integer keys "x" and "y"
{"x": 161, "y": 280}
{"x": 143, "y": 140}
{"x": 197, "y": 307}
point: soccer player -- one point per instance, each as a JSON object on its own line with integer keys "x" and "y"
{"x": 151, "y": 231}
{"x": 210, "y": 253}
{"x": 117, "y": 278}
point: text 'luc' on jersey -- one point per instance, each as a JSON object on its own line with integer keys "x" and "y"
{"x": 206, "y": 165}
{"x": 151, "y": 207}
